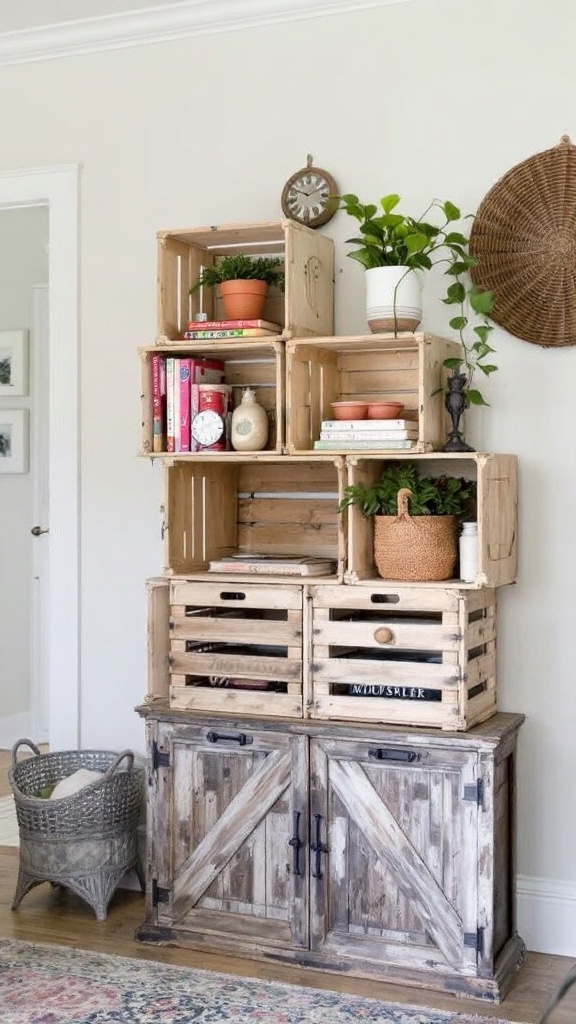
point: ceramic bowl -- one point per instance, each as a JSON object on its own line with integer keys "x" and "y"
{"x": 384, "y": 410}
{"x": 349, "y": 410}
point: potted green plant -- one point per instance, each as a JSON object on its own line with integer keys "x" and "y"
{"x": 244, "y": 281}
{"x": 395, "y": 246}
{"x": 415, "y": 520}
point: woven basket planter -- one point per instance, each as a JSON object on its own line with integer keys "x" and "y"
{"x": 87, "y": 841}
{"x": 415, "y": 548}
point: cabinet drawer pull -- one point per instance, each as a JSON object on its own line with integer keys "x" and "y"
{"x": 296, "y": 843}
{"x": 390, "y": 754}
{"x": 235, "y": 737}
{"x": 318, "y": 848}
{"x": 383, "y": 635}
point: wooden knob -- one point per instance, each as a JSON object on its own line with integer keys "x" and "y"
{"x": 383, "y": 635}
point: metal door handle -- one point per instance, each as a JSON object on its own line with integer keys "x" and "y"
{"x": 37, "y": 531}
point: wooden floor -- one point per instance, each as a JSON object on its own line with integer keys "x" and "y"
{"x": 50, "y": 915}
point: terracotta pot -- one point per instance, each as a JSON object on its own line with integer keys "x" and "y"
{"x": 244, "y": 299}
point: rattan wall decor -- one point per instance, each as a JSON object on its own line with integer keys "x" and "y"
{"x": 524, "y": 236}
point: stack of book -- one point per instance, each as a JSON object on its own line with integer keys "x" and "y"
{"x": 175, "y": 398}
{"x": 198, "y": 330}
{"x": 273, "y": 565}
{"x": 339, "y": 435}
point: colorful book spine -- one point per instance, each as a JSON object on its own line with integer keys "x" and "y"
{"x": 183, "y": 441}
{"x": 158, "y": 404}
{"x": 171, "y": 379}
{"x": 232, "y": 325}
{"x": 242, "y": 332}
{"x": 170, "y": 433}
{"x": 361, "y": 444}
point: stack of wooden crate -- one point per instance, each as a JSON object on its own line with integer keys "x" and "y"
{"x": 269, "y": 663}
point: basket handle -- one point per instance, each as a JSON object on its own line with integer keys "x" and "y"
{"x": 23, "y": 743}
{"x": 125, "y": 754}
{"x": 402, "y": 497}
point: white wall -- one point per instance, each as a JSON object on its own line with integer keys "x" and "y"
{"x": 432, "y": 98}
{"x": 23, "y": 263}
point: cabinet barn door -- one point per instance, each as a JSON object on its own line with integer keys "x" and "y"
{"x": 237, "y": 797}
{"x": 399, "y": 828}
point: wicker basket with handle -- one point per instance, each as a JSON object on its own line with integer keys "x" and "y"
{"x": 87, "y": 841}
{"x": 415, "y": 547}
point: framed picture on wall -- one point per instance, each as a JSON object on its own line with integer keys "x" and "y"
{"x": 13, "y": 363}
{"x": 13, "y": 440}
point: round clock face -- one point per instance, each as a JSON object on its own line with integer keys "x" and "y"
{"x": 207, "y": 427}
{"x": 310, "y": 196}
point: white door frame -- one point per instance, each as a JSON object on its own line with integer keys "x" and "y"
{"x": 57, "y": 188}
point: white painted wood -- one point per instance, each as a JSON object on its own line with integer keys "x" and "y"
{"x": 137, "y": 27}
{"x": 40, "y": 441}
{"x": 57, "y": 187}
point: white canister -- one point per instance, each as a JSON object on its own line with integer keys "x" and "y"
{"x": 469, "y": 552}
{"x": 393, "y": 299}
{"x": 249, "y": 432}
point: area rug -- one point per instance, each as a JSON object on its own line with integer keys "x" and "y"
{"x": 42, "y": 984}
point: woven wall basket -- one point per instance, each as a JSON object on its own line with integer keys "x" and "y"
{"x": 415, "y": 547}
{"x": 524, "y": 236}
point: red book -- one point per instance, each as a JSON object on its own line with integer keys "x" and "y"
{"x": 158, "y": 403}
{"x": 231, "y": 325}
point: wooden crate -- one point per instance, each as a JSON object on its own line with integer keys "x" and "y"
{"x": 252, "y": 363}
{"x": 236, "y": 648}
{"x": 305, "y": 308}
{"x": 158, "y": 648}
{"x": 418, "y": 657}
{"x": 221, "y": 504}
{"x": 405, "y": 368}
{"x": 496, "y": 513}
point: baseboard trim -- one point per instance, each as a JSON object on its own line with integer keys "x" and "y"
{"x": 14, "y": 728}
{"x": 547, "y": 915}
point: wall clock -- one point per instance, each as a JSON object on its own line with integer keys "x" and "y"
{"x": 310, "y": 196}
{"x": 207, "y": 427}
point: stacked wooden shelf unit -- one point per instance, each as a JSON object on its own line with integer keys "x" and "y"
{"x": 330, "y": 781}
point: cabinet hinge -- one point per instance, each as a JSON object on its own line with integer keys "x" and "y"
{"x": 475, "y": 940}
{"x": 160, "y": 758}
{"x": 475, "y": 792}
{"x": 159, "y": 894}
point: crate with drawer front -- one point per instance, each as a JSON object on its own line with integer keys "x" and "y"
{"x": 227, "y": 647}
{"x": 418, "y": 656}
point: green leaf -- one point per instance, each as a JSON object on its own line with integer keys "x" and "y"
{"x": 452, "y": 212}
{"x": 475, "y": 397}
{"x": 458, "y": 323}
{"x": 487, "y": 368}
{"x": 481, "y": 302}
{"x": 389, "y": 202}
{"x": 452, "y": 363}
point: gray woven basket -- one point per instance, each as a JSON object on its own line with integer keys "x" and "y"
{"x": 86, "y": 841}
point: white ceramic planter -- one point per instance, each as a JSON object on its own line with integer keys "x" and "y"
{"x": 393, "y": 299}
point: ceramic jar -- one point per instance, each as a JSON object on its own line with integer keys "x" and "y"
{"x": 249, "y": 431}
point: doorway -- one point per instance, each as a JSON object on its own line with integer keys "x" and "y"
{"x": 56, "y": 188}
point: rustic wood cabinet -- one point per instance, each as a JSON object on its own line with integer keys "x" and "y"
{"x": 382, "y": 852}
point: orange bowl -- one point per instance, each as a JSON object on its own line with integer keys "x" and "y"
{"x": 384, "y": 410}
{"x": 349, "y": 410}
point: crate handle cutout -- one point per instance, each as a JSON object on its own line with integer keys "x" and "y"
{"x": 383, "y": 635}
{"x": 240, "y": 737}
{"x": 389, "y": 754}
{"x": 384, "y": 598}
{"x": 232, "y": 595}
